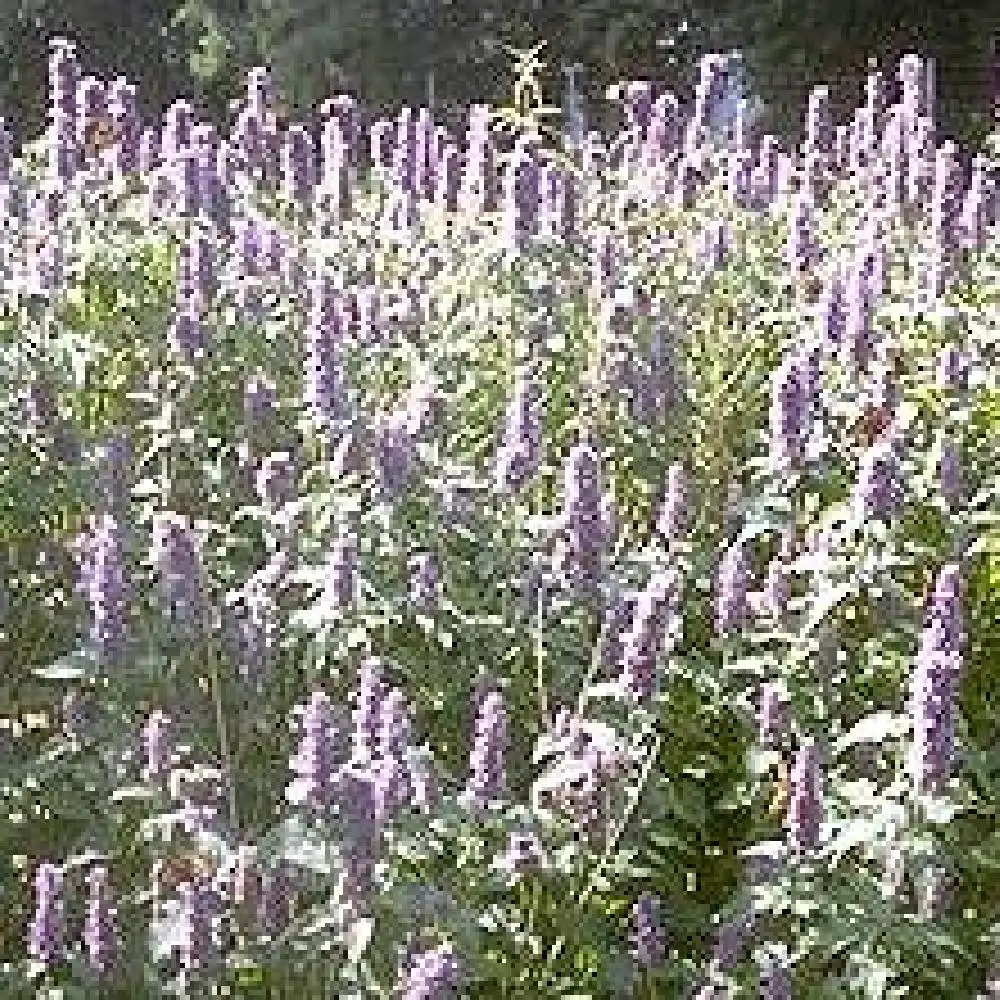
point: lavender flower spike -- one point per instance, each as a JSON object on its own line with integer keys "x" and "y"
{"x": 731, "y": 591}
{"x": 649, "y": 938}
{"x": 805, "y": 808}
{"x": 46, "y": 933}
{"x": 486, "y": 764}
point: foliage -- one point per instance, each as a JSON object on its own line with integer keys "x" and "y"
{"x": 700, "y": 304}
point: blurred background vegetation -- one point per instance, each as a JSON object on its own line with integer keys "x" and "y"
{"x": 389, "y": 54}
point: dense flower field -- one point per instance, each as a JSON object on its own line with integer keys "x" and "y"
{"x": 472, "y": 566}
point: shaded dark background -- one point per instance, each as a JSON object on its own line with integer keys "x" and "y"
{"x": 386, "y": 52}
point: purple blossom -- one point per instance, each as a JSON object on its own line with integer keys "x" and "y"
{"x": 777, "y": 589}
{"x": 773, "y": 715}
{"x": 432, "y": 975}
{"x": 325, "y": 389}
{"x": 105, "y": 585}
{"x": 424, "y": 584}
{"x": 949, "y": 473}
{"x": 342, "y": 571}
{"x": 616, "y": 623}
{"x": 803, "y": 249}
{"x": 175, "y": 556}
{"x": 520, "y": 450}
{"x": 315, "y": 762}
{"x": 805, "y": 807}
{"x": 649, "y": 937}
{"x": 787, "y": 415}
{"x": 671, "y": 515}
{"x": 199, "y": 913}
{"x": 260, "y": 399}
{"x": 486, "y": 761}
{"x": 394, "y": 454}
{"x": 952, "y": 368}
{"x": 368, "y": 709}
{"x": 522, "y": 196}
{"x": 857, "y": 343}
{"x": 297, "y": 163}
{"x": 878, "y": 490}
{"x": 731, "y": 590}
{"x": 100, "y": 930}
{"x": 47, "y": 929}
{"x": 582, "y": 500}
{"x": 157, "y": 748}
{"x": 934, "y": 684}
{"x": 775, "y": 978}
{"x": 187, "y": 333}
{"x": 644, "y": 638}
{"x": 394, "y": 734}
{"x": 731, "y": 940}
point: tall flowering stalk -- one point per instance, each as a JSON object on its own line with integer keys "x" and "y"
{"x": 367, "y": 712}
{"x": 486, "y": 762}
{"x": 46, "y": 934}
{"x": 104, "y": 582}
{"x": 644, "y": 639}
{"x": 584, "y": 523}
{"x": 424, "y": 582}
{"x": 775, "y": 977}
{"x": 199, "y": 913}
{"x": 315, "y": 762}
{"x": 788, "y": 405}
{"x": 100, "y": 931}
{"x": 805, "y": 804}
{"x": 649, "y": 938}
{"x": 157, "y": 748}
{"x": 731, "y": 590}
{"x": 934, "y": 684}
{"x": 432, "y": 975}
{"x": 175, "y": 556}
{"x": 519, "y": 453}
{"x": 878, "y": 490}
{"x": 670, "y": 518}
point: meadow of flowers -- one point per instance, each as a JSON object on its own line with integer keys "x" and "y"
{"x": 478, "y": 566}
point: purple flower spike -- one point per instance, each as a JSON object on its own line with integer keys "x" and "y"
{"x": 104, "y": 582}
{"x": 315, "y": 762}
{"x": 670, "y": 519}
{"x": 175, "y": 555}
{"x": 100, "y": 931}
{"x": 46, "y": 933}
{"x": 949, "y": 473}
{"x": 788, "y": 406}
{"x": 520, "y": 451}
{"x": 583, "y": 496}
{"x": 424, "y": 582}
{"x": 934, "y": 684}
{"x": 644, "y": 639}
{"x": 775, "y": 978}
{"x": 157, "y": 748}
{"x": 878, "y": 491}
{"x": 368, "y": 710}
{"x": 432, "y": 975}
{"x": 731, "y": 591}
{"x": 805, "y": 808}
{"x": 486, "y": 779}
{"x": 649, "y": 937}
{"x": 772, "y": 716}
